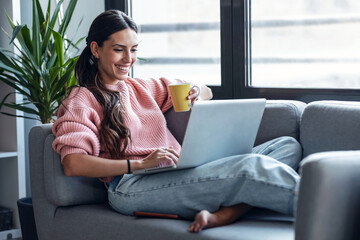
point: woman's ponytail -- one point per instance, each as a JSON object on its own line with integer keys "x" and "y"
{"x": 85, "y": 68}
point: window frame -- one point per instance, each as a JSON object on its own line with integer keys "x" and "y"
{"x": 121, "y": 5}
{"x": 236, "y": 50}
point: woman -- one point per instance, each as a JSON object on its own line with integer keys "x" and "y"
{"x": 112, "y": 125}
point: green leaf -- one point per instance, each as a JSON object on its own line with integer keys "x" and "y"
{"x": 59, "y": 44}
{"x": 5, "y": 59}
{"x": 11, "y": 78}
{"x": 28, "y": 57}
{"x": 23, "y": 83}
{"x": 142, "y": 59}
{"x": 48, "y": 11}
{"x": 24, "y": 63}
{"x": 47, "y": 33}
{"x": 55, "y": 14}
{"x": 59, "y": 96}
{"x": 12, "y": 24}
{"x": 54, "y": 72}
{"x": 51, "y": 61}
{"x": 4, "y": 99}
{"x": 45, "y": 76}
{"x": 16, "y": 31}
{"x": 19, "y": 68}
{"x": 36, "y": 35}
{"x": 67, "y": 17}
{"x": 25, "y": 32}
{"x": 72, "y": 40}
{"x": 74, "y": 45}
{"x": 72, "y": 81}
{"x": 26, "y": 52}
{"x": 21, "y": 108}
{"x": 12, "y": 66}
{"x": 40, "y": 15}
{"x": 17, "y": 34}
{"x": 9, "y": 69}
{"x": 13, "y": 85}
{"x": 22, "y": 116}
{"x": 79, "y": 41}
{"x": 64, "y": 79}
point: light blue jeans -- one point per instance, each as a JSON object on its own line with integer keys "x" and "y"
{"x": 266, "y": 178}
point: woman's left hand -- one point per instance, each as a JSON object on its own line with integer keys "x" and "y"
{"x": 202, "y": 93}
{"x": 194, "y": 94}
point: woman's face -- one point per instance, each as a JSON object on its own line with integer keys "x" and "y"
{"x": 117, "y": 55}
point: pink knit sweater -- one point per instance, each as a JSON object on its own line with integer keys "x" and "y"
{"x": 77, "y": 126}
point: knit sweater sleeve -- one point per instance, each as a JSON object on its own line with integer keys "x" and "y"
{"x": 76, "y": 129}
{"x": 159, "y": 90}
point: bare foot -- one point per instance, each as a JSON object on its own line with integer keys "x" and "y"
{"x": 203, "y": 219}
{"x": 223, "y": 216}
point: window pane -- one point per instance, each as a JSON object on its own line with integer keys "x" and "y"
{"x": 305, "y": 43}
{"x": 178, "y": 39}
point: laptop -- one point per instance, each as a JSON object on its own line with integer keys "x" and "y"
{"x": 217, "y": 129}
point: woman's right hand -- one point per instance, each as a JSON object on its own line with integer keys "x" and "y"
{"x": 163, "y": 156}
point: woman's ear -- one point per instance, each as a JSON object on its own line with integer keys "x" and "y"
{"x": 94, "y": 47}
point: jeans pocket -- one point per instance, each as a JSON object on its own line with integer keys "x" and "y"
{"x": 124, "y": 179}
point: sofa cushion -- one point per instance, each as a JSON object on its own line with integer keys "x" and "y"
{"x": 330, "y": 126}
{"x": 99, "y": 221}
{"x": 281, "y": 118}
{"x": 62, "y": 190}
{"x": 177, "y": 123}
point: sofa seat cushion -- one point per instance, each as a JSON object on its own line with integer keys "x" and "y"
{"x": 99, "y": 221}
{"x": 330, "y": 126}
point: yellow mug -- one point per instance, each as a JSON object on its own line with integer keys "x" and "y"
{"x": 179, "y": 93}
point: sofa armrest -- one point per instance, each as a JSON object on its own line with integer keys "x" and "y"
{"x": 328, "y": 206}
{"x": 44, "y": 211}
{"x": 50, "y": 188}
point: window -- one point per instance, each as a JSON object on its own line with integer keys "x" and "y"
{"x": 305, "y": 44}
{"x": 178, "y": 39}
{"x": 302, "y": 49}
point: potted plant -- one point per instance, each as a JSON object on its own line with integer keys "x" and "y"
{"x": 42, "y": 67}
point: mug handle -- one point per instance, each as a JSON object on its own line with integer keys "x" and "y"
{"x": 198, "y": 90}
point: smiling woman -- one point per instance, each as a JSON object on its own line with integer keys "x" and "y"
{"x": 113, "y": 125}
{"x": 116, "y": 56}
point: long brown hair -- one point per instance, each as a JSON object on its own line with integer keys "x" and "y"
{"x": 114, "y": 134}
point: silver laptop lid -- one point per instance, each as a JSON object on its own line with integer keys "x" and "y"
{"x": 220, "y": 128}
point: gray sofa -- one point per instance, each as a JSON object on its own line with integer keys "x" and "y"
{"x": 329, "y": 196}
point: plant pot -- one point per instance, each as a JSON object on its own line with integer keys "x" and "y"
{"x": 27, "y": 220}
